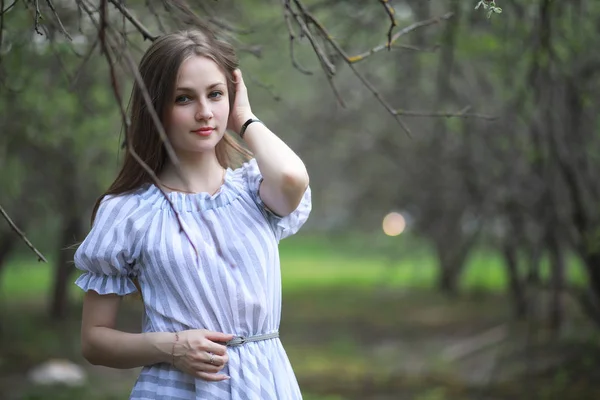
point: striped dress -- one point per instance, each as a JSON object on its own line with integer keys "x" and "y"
{"x": 236, "y": 289}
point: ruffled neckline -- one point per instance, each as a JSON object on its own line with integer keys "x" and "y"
{"x": 193, "y": 202}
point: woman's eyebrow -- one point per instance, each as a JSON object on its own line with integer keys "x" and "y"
{"x": 185, "y": 89}
{"x": 188, "y": 89}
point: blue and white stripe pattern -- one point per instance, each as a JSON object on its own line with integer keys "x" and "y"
{"x": 236, "y": 290}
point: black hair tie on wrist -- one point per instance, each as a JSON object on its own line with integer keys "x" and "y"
{"x": 251, "y": 120}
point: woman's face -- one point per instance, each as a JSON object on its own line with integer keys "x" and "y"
{"x": 200, "y": 107}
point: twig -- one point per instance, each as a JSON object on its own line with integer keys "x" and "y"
{"x": 150, "y": 5}
{"x": 262, "y": 85}
{"x": 83, "y": 63}
{"x": 402, "y": 32}
{"x": 415, "y": 48}
{"x": 2, "y": 26}
{"x": 390, "y": 12}
{"x": 459, "y": 114}
{"x": 7, "y": 8}
{"x": 286, "y": 15}
{"x": 309, "y": 17}
{"x": 225, "y": 26}
{"x": 60, "y": 24}
{"x": 38, "y": 16}
{"x": 326, "y": 64}
{"x": 141, "y": 28}
{"x": 300, "y": 20}
{"x": 22, "y": 235}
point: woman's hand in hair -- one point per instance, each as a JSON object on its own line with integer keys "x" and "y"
{"x": 202, "y": 353}
{"x": 241, "y": 110}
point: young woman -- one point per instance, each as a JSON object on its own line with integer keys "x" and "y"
{"x": 212, "y": 290}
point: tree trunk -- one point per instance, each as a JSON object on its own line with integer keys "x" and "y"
{"x": 451, "y": 260}
{"x": 8, "y": 240}
{"x": 557, "y": 277}
{"x": 69, "y": 199}
{"x": 517, "y": 290}
{"x": 64, "y": 267}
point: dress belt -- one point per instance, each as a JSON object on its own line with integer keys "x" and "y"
{"x": 240, "y": 340}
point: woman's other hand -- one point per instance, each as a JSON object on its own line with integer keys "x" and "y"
{"x": 241, "y": 110}
{"x": 202, "y": 353}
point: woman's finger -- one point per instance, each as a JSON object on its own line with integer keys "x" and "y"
{"x": 208, "y": 368}
{"x": 215, "y": 348}
{"x": 217, "y": 360}
{"x": 239, "y": 80}
{"x": 212, "y": 377}
{"x": 218, "y": 336}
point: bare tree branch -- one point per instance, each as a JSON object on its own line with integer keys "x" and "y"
{"x": 325, "y": 34}
{"x": 459, "y": 114}
{"x": 83, "y": 63}
{"x": 408, "y": 29}
{"x": 150, "y": 5}
{"x": 390, "y": 12}
{"x": 60, "y": 24}
{"x": 300, "y": 20}
{"x": 286, "y": 15}
{"x": 38, "y": 16}
{"x": 7, "y": 8}
{"x": 141, "y": 28}
{"x": 2, "y": 25}
{"x": 22, "y": 235}
{"x": 264, "y": 86}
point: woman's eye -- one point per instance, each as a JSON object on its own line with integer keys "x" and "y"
{"x": 182, "y": 99}
{"x": 215, "y": 95}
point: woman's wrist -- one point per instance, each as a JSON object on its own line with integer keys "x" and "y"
{"x": 246, "y": 125}
{"x": 163, "y": 344}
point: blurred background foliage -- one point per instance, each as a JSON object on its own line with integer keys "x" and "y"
{"x": 491, "y": 290}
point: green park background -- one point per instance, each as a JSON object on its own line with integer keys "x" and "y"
{"x": 490, "y": 289}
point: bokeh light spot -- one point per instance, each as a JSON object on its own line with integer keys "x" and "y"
{"x": 393, "y": 224}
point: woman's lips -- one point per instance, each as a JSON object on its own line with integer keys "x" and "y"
{"x": 203, "y": 131}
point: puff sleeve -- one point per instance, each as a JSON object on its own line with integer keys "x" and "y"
{"x": 106, "y": 255}
{"x": 282, "y": 226}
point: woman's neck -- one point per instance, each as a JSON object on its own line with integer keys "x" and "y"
{"x": 201, "y": 173}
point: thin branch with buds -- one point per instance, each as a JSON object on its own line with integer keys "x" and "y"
{"x": 306, "y": 15}
{"x": 408, "y": 29}
{"x": 390, "y": 12}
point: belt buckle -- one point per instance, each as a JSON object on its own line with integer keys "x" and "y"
{"x": 241, "y": 340}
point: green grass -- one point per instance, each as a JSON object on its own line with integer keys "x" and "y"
{"x": 337, "y": 322}
{"x": 320, "y": 261}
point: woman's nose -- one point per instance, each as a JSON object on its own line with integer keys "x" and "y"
{"x": 203, "y": 112}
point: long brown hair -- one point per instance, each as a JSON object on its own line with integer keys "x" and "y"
{"x": 159, "y": 68}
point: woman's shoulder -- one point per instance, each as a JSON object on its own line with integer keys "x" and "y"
{"x": 122, "y": 206}
{"x": 119, "y": 200}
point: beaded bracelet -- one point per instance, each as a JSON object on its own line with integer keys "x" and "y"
{"x": 173, "y": 351}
